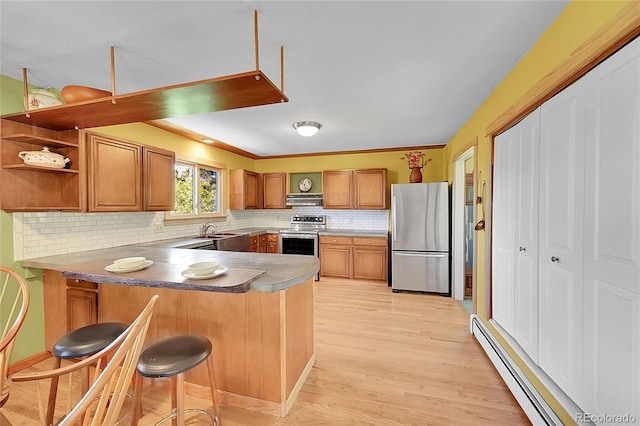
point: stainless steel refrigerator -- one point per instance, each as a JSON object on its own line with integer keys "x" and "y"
{"x": 420, "y": 237}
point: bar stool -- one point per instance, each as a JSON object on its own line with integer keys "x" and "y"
{"x": 79, "y": 343}
{"x": 172, "y": 357}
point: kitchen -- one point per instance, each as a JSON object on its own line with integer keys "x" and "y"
{"x": 145, "y": 223}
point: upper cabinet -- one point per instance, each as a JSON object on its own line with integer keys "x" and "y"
{"x": 274, "y": 186}
{"x": 158, "y": 179}
{"x": 364, "y": 189}
{"x": 125, "y": 176}
{"x": 29, "y": 188}
{"x": 244, "y": 190}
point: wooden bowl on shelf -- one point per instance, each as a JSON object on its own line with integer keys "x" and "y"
{"x": 72, "y": 94}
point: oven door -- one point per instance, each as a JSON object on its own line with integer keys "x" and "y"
{"x": 304, "y": 244}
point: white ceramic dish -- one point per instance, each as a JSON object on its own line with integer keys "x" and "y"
{"x": 116, "y": 269}
{"x": 203, "y": 268}
{"x": 129, "y": 262}
{"x": 190, "y": 275}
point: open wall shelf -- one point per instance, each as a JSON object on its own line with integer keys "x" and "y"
{"x": 217, "y": 94}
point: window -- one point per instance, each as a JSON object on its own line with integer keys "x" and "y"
{"x": 198, "y": 191}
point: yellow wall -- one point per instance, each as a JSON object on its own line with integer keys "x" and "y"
{"x": 576, "y": 23}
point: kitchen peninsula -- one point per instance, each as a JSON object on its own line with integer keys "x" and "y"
{"x": 259, "y": 315}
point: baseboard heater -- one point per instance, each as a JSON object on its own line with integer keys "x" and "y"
{"x": 532, "y": 403}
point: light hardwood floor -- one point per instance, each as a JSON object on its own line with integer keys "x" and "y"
{"x": 382, "y": 358}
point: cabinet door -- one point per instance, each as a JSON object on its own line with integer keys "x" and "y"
{"x": 370, "y": 190}
{"x": 82, "y": 308}
{"x": 612, "y": 236}
{"x": 115, "y": 175}
{"x": 159, "y": 179}
{"x": 370, "y": 258}
{"x": 244, "y": 189}
{"x": 335, "y": 256}
{"x": 337, "y": 186}
{"x": 504, "y": 220}
{"x": 561, "y": 242}
{"x": 274, "y": 190}
{"x": 526, "y": 235}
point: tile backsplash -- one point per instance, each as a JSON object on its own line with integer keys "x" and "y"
{"x": 51, "y": 233}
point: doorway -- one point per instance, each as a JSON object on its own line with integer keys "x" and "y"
{"x": 464, "y": 198}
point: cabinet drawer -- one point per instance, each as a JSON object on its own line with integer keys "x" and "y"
{"x": 263, "y": 238}
{"x": 329, "y": 239}
{"x": 273, "y": 238}
{"x": 254, "y": 239}
{"x": 380, "y": 242}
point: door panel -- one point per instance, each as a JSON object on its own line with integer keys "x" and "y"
{"x": 503, "y": 228}
{"x": 612, "y": 235}
{"x": 561, "y": 230}
{"x": 526, "y": 235}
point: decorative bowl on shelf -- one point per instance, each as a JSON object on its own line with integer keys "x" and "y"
{"x": 72, "y": 94}
{"x": 44, "y": 158}
{"x": 40, "y": 98}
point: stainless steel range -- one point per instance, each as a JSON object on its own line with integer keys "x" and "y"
{"x": 302, "y": 236}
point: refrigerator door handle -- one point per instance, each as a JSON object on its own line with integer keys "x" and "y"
{"x": 393, "y": 217}
{"x": 414, "y": 254}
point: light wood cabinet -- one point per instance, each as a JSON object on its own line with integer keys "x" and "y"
{"x": 364, "y": 189}
{"x": 370, "y": 258}
{"x": 353, "y": 257}
{"x": 335, "y": 256}
{"x": 158, "y": 183}
{"x": 244, "y": 190}
{"x": 274, "y": 190}
{"x": 254, "y": 244}
{"x": 370, "y": 189}
{"x": 82, "y": 304}
{"x": 337, "y": 189}
{"x": 114, "y": 175}
{"x": 32, "y": 188}
{"x": 273, "y": 243}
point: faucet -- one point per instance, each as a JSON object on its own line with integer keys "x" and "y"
{"x": 205, "y": 229}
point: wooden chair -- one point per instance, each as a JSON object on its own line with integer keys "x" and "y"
{"x": 102, "y": 403}
{"x": 13, "y": 293}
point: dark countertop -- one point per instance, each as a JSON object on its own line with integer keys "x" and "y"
{"x": 267, "y": 272}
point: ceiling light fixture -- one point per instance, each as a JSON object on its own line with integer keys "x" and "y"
{"x": 307, "y": 128}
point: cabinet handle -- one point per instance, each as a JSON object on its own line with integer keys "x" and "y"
{"x": 555, "y": 259}
{"x": 522, "y": 249}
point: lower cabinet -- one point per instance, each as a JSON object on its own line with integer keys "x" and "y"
{"x": 264, "y": 243}
{"x": 273, "y": 243}
{"x": 353, "y": 257}
{"x": 82, "y": 304}
{"x": 370, "y": 258}
{"x": 335, "y": 256}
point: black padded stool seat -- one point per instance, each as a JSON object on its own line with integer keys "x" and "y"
{"x": 172, "y": 357}
{"x": 82, "y": 342}
{"x": 87, "y": 340}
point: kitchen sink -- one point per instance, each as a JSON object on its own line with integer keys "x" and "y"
{"x": 221, "y": 235}
{"x": 228, "y": 242}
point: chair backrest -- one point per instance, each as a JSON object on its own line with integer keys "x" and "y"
{"x": 102, "y": 403}
{"x": 14, "y": 303}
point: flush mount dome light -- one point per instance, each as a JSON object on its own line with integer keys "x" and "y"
{"x": 307, "y": 128}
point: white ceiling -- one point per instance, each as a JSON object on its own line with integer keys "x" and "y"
{"x": 376, "y": 74}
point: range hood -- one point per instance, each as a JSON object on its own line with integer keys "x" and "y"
{"x": 304, "y": 200}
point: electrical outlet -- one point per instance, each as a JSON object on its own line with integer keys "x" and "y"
{"x": 158, "y": 227}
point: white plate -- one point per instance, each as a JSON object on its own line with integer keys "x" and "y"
{"x": 114, "y": 268}
{"x": 190, "y": 275}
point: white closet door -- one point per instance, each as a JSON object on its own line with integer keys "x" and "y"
{"x": 612, "y": 236}
{"x": 526, "y": 235}
{"x": 503, "y": 225}
{"x": 561, "y": 243}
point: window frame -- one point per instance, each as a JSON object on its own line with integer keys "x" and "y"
{"x": 221, "y": 169}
